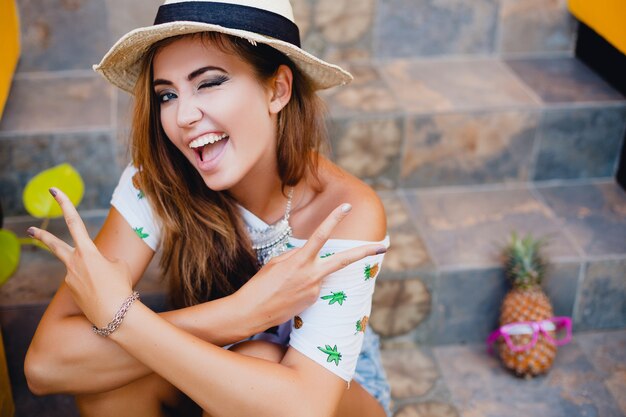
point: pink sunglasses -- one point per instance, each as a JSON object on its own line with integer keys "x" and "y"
{"x": 561, "y": 327}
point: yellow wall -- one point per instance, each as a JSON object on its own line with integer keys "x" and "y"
{"x": 7, "y": 408}
{"x": 9, "y": 47}
{"x": 606, "y": 17}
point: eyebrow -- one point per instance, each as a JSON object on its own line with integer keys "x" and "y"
{"x": 190, "y": 77}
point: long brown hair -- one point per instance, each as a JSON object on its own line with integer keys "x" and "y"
{"x": 206, "y": 252}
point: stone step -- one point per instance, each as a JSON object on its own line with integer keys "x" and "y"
{"x": 438, "y": 381}
{"x": 443, "y": 279}
{"x": 473, "y": 103}
{"x": 464, "y": 122}
{"x": 332, "y": 29}
{"x": 471, "y": 119}
{"x": 404, "y": 124}
{"x": 464, "y": 380}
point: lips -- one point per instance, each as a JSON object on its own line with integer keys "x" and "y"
{"x": 209, "y": 149}
{"x": 209, "y": 146}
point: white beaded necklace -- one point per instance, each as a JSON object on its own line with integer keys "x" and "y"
{"x": 272, "y": 240}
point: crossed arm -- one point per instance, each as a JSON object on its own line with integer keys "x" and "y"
{"x": 65, "y": 356}
{"x": 178, "y": 348}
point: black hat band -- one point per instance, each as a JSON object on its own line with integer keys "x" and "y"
{"x": 231, "y": 16}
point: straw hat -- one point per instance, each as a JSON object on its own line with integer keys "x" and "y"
{"x": 264, "y": 21}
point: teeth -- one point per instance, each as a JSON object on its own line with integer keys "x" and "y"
{"x": 206, "y": 139}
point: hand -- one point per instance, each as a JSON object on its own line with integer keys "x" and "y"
{"x": 98, "y": 285}
{"x": 291, "y": 282}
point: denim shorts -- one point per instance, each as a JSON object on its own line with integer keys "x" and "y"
{"x": 370, "y": 372}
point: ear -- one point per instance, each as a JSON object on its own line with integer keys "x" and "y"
{"x": 280, "y": 88}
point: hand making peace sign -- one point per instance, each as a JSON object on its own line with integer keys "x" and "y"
{"x": 282, "y": 288}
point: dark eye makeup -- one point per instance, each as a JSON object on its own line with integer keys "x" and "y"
{"x": 214, "y": 82}
{"x": 166, "y": 95}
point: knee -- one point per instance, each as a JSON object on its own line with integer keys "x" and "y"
{"x": 154, "y": 392}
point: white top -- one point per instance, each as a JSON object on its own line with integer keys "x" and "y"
{"x": 330, "y": 331}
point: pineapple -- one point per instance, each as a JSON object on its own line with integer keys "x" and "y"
{"x": 525, "y": 268}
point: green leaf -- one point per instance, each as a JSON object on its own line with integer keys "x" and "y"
{"x": 38, "y": 201}
{"x": 333, "y": 354}
{"x": 140, "y": 233}
{"x": 9, "y": 254}
{"x": 335, "y": 297}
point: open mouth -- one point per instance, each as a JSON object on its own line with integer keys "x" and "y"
{"x": 209, "y": 146}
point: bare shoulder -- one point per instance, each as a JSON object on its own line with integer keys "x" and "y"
{"x": 366, "y": 221}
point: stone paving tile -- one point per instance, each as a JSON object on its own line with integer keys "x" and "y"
{"x": 399, "y": 306}
{"x": 412, "y": 371}
{"x": 368, "y": 148}
{"x": 428, "y": 409}
{"x": 123, "y": 122}
{"x": 415, "y": 379}
{"x": 561, "y": 286}
{"x": 366, "y": 95}
{"x": 47, "y": 102}
{"x": 336, "y": 30}
{"x": 602, "y": 299}
{"x": 404, "y": 293}
{"x": 91, "y": 154}
{"x": 406, "y": 28}
{"x": 408, "y": 254}
{"x": 594, "y": 214}
{"x": 416, "y": 382}
{"x": 534, "y": 26}
{"x": 579, "y": 143}
{"x": 467, "y": 305}
{"x": 607, "y": 353}
{"x": 124, "y": 16}
{"x": 62, "y": 34}
{"x": 469, "y": 228}
{"x": 468, "y": 148}
{"x": 455, "y": 85}
{"x": 563, "y": 79}
{"x": 480, "y": 386}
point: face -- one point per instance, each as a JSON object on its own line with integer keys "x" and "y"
{"x": 217, "y": 112}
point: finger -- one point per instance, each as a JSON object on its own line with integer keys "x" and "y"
{"x": 322, "y": 233}
{"x": 60, "y": 249}
{"x": 72, "y": 218}
{"x": 342, "y": 259}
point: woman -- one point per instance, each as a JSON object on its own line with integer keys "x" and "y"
{"x": 226, "y": 177}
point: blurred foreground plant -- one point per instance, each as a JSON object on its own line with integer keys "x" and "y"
{"x": 40, "y": 204}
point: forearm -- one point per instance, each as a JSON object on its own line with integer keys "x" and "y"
{"x": 220, "y": 322}
{"x": 65, "y": 355}
{"x": 223, "y": 383}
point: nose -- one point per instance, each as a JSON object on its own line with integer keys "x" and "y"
{"x": 189, "y": 111}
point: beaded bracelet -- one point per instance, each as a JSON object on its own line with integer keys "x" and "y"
{"x": 119, "y": 316}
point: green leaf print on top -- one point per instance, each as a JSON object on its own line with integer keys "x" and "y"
{"x": 370, "y": 271}
{"x": 335, "y": 297}
{"x": 326, "y": 255}
{"x": 333, "y": 355}
{"x": 140, "y": 233}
